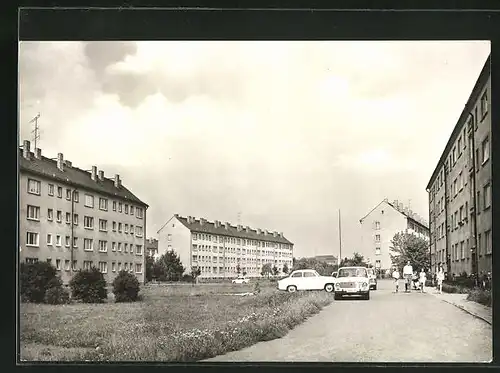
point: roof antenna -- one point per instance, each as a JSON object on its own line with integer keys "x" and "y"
{"x": 239, "y": 217}
{"x": 36, "y": 130}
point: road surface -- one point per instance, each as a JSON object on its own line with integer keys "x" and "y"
{"x": 403, "y": 327}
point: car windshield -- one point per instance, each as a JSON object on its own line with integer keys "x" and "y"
{"x": 352, "y": 272}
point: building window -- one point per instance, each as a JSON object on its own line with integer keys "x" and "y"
{"x": 131, "y": 210}
{"x": 460, "y": 181}
{"x": 125, "y": 229}
{"x": 479, "y": 244}
{"x": 103, "y": 204}
{"x": 88, "y": 222}
{"x": 68, "y": 218}
{"x": 87, "y": 264}
{"x": 67, "y": 264}
{"x": 119, "y": 247}
{"x": 478, "y": 201}
{"x": 58, "y": 264}
{"x": 114, "y": 205}
{"x": 75, "y": 219}
{"x": 103, "y": 225}
{"x": 131, "y": 229}
{"x": 75, "y": 242}
{"x": 34, "y": 186}
{"x": 126, "y": 209}
{"x": 33, "y": 213}
{"x": 76, "y": 196}
{"x": 462, "y": 250}
{"x": 58, "y": 240}
{"x": 68, "y": 194}
{"x": 103, "y": 246}
{"x": 377, "y": 225}
{"x": 485, "y": 150}
{"x": 74, "y": 265}
{"x": 487, "y": 196}
{"x": 113, "y": 246}
{"x": 138, "y": 268}
{"x": 119, "y": 227}
{"x": 103, "y": 267}
{"x": 67, "y": 241}
{"x": 114, "y": 226}
{"x": 31, "y": 260}
{"x": 459, "y": 145}
{"x": 138, "y": 249}
{"x": 50, "y": 214}
{"x": 32, "y": 239}
{"x": 89, "y": 201}
{"x": 377, "y": 263}
{"x": 119, "y": 207}
{"x": 377, "y": 238}
{"x": 487, "y": 241}
{"x": 59, "y": 192}
{"x": 138, "y": 231}
{"x": 125, "y": 247}
{"x": 88, "y": 244}
{"x": 113, "y": 267}
{"x": 125, "y": 266}
{"x": 50, "y": 190}
{"x": 139, "y": 212}
{"x": 59, "y": 216}
{"x": 49, "y": 239}
{"x": 169, "y": 237}
{"x": 377, "y": 251}
{"x": 119, "y": 266}
{"x": 484, "y": 105}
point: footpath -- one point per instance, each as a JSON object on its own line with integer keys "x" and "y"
{"x": 460, "y": 300}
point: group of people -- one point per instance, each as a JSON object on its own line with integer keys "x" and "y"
{"x": 417, "y": 279}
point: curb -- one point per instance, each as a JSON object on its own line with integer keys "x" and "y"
{"x": 467, "y": 311}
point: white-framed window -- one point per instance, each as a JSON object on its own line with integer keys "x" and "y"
{"x": 377, "y": 251}
{"x": 34, "y": 186}
{"x": 131, "y": 267}
{"x": 119, "y": 247}
{"x": 462, "y": 250}
{"x": 75, "y": 242}
{"x": 131, "y": 229}
{"x": 460, "y": 181}
{"x": 113, "y": 267}
{"x": 377, "y": 263}
{"x": 67, "y": 264}
{"x": 139, "y": 212}
{"x": 103, "y": 225}
{"x": 89, "y": 200}
{"x": 169, "y": 237}
{"x": 75, "y": 262}
{"x": 484, "y": 104}
{"x": 138, "y": 231}
{"x": 138, "y": 249}
{"x": 32, "y": 239}
{"x": 126, "y": 209}
{"x": 114, "y": 226}
{"x": 75, "y": 219}
{"x": 119, "y": 227}
{"x": 119, "y": 266}
{"x": 125, "y": 248}
{"x": 50, "y": 189}
{"x": 138, "y": 268}
{"x": 76, "y": 196}
{"x": 114, "y": 205}
{"x": 459, "y": 145}
{"x": 485, "y": 147}
{"x": 59, "y": 192}
{"x": 87, "y": 264}
{"x": 377, "y": 238}
{"x": 103, "y": 204}
{"x": 125, "y": 266}
{"x": 50, "y": 214}
{"x": 487, "y": 196}
{"x": 58, "y": 240}
{"x": 59, "y": 216}
{"x": 125, "y": 228}
{"x": 68, "y": 218}
{"x": 58, "y": 264}
{"x": 88, "y": 222}
{"x": 67, "y": 241}
{"x": 68, "y": 194}
{"x": 113, "y": 246}
{"x": 103, "y": 246}
{"x": 88, "y": 244}
{"x": 120, "y": 207}
{"x": 49, "y": 239}
{"x": 32, "y": 260}
{"x": 487, "y": 241}
{"x": 33, "y": 213}
{"x": 103, "y": 267}
{"x": 131, "y": 210}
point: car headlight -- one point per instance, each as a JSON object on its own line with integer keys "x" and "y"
{"x": 337, "y": 285}
{"x": 364, "y": 284}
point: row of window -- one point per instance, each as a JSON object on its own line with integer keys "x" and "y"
{"x": 234, "y": 270}
{"x": 237, "y": 241}
{"x": 458, "y": 250}
{"x": 216, "y": 259}
{"x": 35, "y": 186}
{"x": 238, "y": 251}
{"x": 88, "y": 264}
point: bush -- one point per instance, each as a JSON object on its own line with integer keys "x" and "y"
{"x": 480, "y": 296}
{"x": 454, "y": 289}
{"x": 57, "y": 295}
{"x": 89, "y": 286}
{"x": 126, "y": 287}
{"x": 35, "y": 279}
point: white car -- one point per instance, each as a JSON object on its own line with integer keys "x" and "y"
{"x": 306, "y": 279}
{"x": 240, "y": 280}
{"x": 352, "y": 281}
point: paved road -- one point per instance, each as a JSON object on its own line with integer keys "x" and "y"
{"x": 389, "y": 327}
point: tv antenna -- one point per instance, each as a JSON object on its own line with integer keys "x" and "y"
{"x": 36, "y": 131}
{"x": 239, "y": 217}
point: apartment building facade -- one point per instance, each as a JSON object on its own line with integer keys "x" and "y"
{"x": 379, "y": 227}
{"x": 152, "y": 248}
{"x": 78, "y": 219}
{"x": 459, "y": 189}
{"x": 219, "y": 249}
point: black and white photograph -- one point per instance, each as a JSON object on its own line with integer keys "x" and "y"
{"x": 255, "y": 201}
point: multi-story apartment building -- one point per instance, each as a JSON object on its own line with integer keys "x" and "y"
{"x": 460, "y": 189}
{"x": 152, "y": 247}
{"x": 77, "y": 219}
{"x": 218, "y": 249}
{"x": 379, "y": 227}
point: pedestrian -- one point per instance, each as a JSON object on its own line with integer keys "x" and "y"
{"x": 408, "y": 274}
{"x": 440, "y": 279}
{"x": 423, "y": 278}
{"x": 395, "y": 276}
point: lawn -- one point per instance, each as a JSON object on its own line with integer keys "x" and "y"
{"x": 171, "y": 323}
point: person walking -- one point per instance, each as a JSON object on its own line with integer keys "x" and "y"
{"x": 408, "y": 274}
{"x": 422, "y": 279}
{"x": 440, "y": 279}
{"x": 395, "y": 276}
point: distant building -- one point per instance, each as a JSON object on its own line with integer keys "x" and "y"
{"x": 460, "y": 189}
{"x": 219, "y": 248}
{"x": 77, "y": 219}
{"x": 380, "y": 225}
{"x": 152, "y": 247}
{"x": 328, "y": 259}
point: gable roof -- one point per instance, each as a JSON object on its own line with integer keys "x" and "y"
{"x": 209, "y": 227}
{"x": 74, "y": 176}
{"x": 398, "y": 210}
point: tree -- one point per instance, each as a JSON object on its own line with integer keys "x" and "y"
{"x": 150, "y": 263}
{"x": 238, "y": 269}
{"x": 244, "y": 273}
{"x": 195, "y": 273}
{"x": 89, "y": 286}
{"x": 266, "y": 269}
{"x": 357, "y": 260}
{"x": 170, "y": 267}
{"x": 126, "y": 287}
{"x": 409, "y": 247}
{"x": 285, "y": 269}
{"x": 319, "y": 266}
{"x": 275, "y": 271}
{"x": 35, "y": 280}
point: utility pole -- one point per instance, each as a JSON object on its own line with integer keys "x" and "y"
{"x": 340, "y": 240}
{"x": 36, "y": 130}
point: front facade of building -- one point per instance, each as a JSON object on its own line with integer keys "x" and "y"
{"x": 328, "y": 259}
{"x": 460, "y": 189}
{"x": 152, "y": 248}
{"x": 77, "y": 219}
{"x": 220, "y": 249}
{"x": 379, "y": 227}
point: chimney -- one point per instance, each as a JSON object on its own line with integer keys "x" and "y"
{"x": 202, "y": 221}
{"x": 216, "y": 223}
{"x": 247, "y": 229}
{"x": 101, "y": 175}
{"x": 266, "y": 232}
{"x": 60, "y": 161}
{"x": 239, "y": 228}
{"x": 259, "y": 231}
{"x": 226, "y": 225}
{"x": 118, "y": 182}
{"x": 67, "y": 163}
{"x": 281, "y": 234}
{"x": 93, "y": 175}
{"x": 38, "y": 153}
{"x": 275, "y": 234}
{"x": 26, "y": 149}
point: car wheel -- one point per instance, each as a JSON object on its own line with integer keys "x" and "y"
{"x": 367, "y": 297}
{"x": 291, "y": 289}
{"x": 337, "y": 297}
{"x": 329, "y": 288}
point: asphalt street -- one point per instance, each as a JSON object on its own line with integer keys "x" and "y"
{"x": 403, "y": 327}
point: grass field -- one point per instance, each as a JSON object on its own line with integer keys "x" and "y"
{"x": 171, "y": 323}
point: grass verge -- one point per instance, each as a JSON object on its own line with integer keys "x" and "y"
{"x": 480, "y": 296}
{"x": 170, "y": 324}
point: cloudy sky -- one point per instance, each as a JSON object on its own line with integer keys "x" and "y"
{"x": 284, "y": 133}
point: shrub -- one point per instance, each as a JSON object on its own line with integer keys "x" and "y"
{"x": 454, "y": 289}
{"x": 126, "y": 287}
{"x": 256, "y": 287}
{"x": 89, "y": 286}
{"x": 57, "y": 295}
{"x": 35, "y": 279}
{"x": 480, "y": 296}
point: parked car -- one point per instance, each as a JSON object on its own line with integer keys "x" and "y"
{"x": 352, "y": 281}
{"x": 306, "y": 279}
{"x": 373, "y": 278}
{"x": 334, "y": 274}
{"x": 240, "y": 280}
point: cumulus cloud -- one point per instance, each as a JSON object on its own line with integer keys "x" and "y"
{"x": 284, "y": 132}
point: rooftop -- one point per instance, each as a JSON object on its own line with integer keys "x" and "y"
{"x": 226, "y": 229}
{"x": 404, "y": 210}
{"x": 63, "y": 171}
